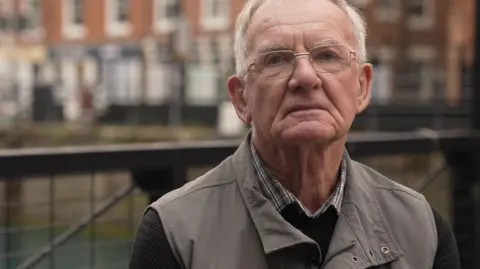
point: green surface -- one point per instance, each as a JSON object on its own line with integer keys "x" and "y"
{"x": 81, "y": 251}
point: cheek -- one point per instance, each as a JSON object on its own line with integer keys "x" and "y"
{"x": 342, "y": 93}
{"x": 266, "y": 100}
{"x": 350, "y": 96}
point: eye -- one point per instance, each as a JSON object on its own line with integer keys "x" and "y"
{"x": 275, "y": 58}
{"x": 325, "y": 55}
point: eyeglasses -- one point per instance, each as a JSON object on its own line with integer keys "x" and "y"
{"x": 281, "y": 63}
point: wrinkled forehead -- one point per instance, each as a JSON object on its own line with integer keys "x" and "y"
{"x": 288, "y": 21}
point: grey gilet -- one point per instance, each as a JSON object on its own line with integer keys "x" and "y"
{"x": 222, "y": 220}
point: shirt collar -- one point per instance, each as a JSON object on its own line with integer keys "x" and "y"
{"x": 281, "y": 197}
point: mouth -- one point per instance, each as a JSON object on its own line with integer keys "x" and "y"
{"x": 302, "y": 108}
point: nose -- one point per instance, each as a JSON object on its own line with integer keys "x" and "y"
{"x": 304, "y": 75}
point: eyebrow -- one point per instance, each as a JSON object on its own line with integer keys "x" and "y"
{"x": 277, "y": 47}
{"x": 273, "y": 47}
{"x": 328, "y": 42}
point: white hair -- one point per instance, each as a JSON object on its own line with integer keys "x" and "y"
{"x": 357, "y": 23}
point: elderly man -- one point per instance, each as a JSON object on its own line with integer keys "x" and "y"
{"x": 290, "y": 196}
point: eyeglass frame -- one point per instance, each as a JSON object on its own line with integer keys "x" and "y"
{"x": 352, "y": 55}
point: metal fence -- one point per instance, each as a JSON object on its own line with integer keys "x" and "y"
{"x": 65, "y": 221}
{"x": 79, "y": 207}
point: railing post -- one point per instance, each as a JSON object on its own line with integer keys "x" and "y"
{"x": 12, "y": 197}
{"x": 465, "y": 204}
{"x": 157, "y": 181}
{"x": 475, "y": 120}
{"x": 466, "y": 175}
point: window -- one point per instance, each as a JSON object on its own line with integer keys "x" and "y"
{"x": 6, "y": 15}
{"x": 421, "y": 14}
{"x": 415, "y": 81}
{"x": 73, "y": 18}
{"x": 207, "y": 76}
{"x": 215, "y": 14}
{"x": 117, "y": 16}
{"x": 388, "y": 10}
{"x": 4, "y": 22}
{"x": 122, "y": 80}
{"x": 215, "y": 8}
{"x": 409, "y": 79}
{"x": 158, "y": 74}
{"x": 172, "y": 9}
{"x": 382, "y": 59}
{"x": 76, "y": 12}
{"x": 121, "y": 11}
{"x": 416, "y": 7}
{"x": 166, "y": 13}
{"x": 30, "y": 17}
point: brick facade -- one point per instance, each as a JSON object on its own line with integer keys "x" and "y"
{"x": 411, "y": 46}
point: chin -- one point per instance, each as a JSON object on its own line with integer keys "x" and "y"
{"x": 309, "y": 134}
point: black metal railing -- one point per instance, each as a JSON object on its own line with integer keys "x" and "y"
{"x": 78, "y": 207}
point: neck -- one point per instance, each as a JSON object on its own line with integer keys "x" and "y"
{"x": 309, "y": 172}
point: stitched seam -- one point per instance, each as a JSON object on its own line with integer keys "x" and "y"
{"x": 387, "y": 231}
{"x": 398, "y": 190}
{"x": 195, "y": 190}
{"x": 173, "y": 245}
{"x": 356, "y": 236}
{"x": 393, "y": 188}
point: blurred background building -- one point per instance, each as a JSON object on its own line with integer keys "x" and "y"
{"x": 166, "y": 61}
{"x": 127, "y": 61}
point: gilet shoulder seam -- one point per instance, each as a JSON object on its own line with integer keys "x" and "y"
{"x": 198, "y": 189}
{"x": 409, "y": 192}
{"x": 392, "y": 186}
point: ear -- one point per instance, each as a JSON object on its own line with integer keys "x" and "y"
{"x": 238, "y": 96}
{"x": 365, "y": 82}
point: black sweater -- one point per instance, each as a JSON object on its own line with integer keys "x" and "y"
{"x": 151, "y": 249}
